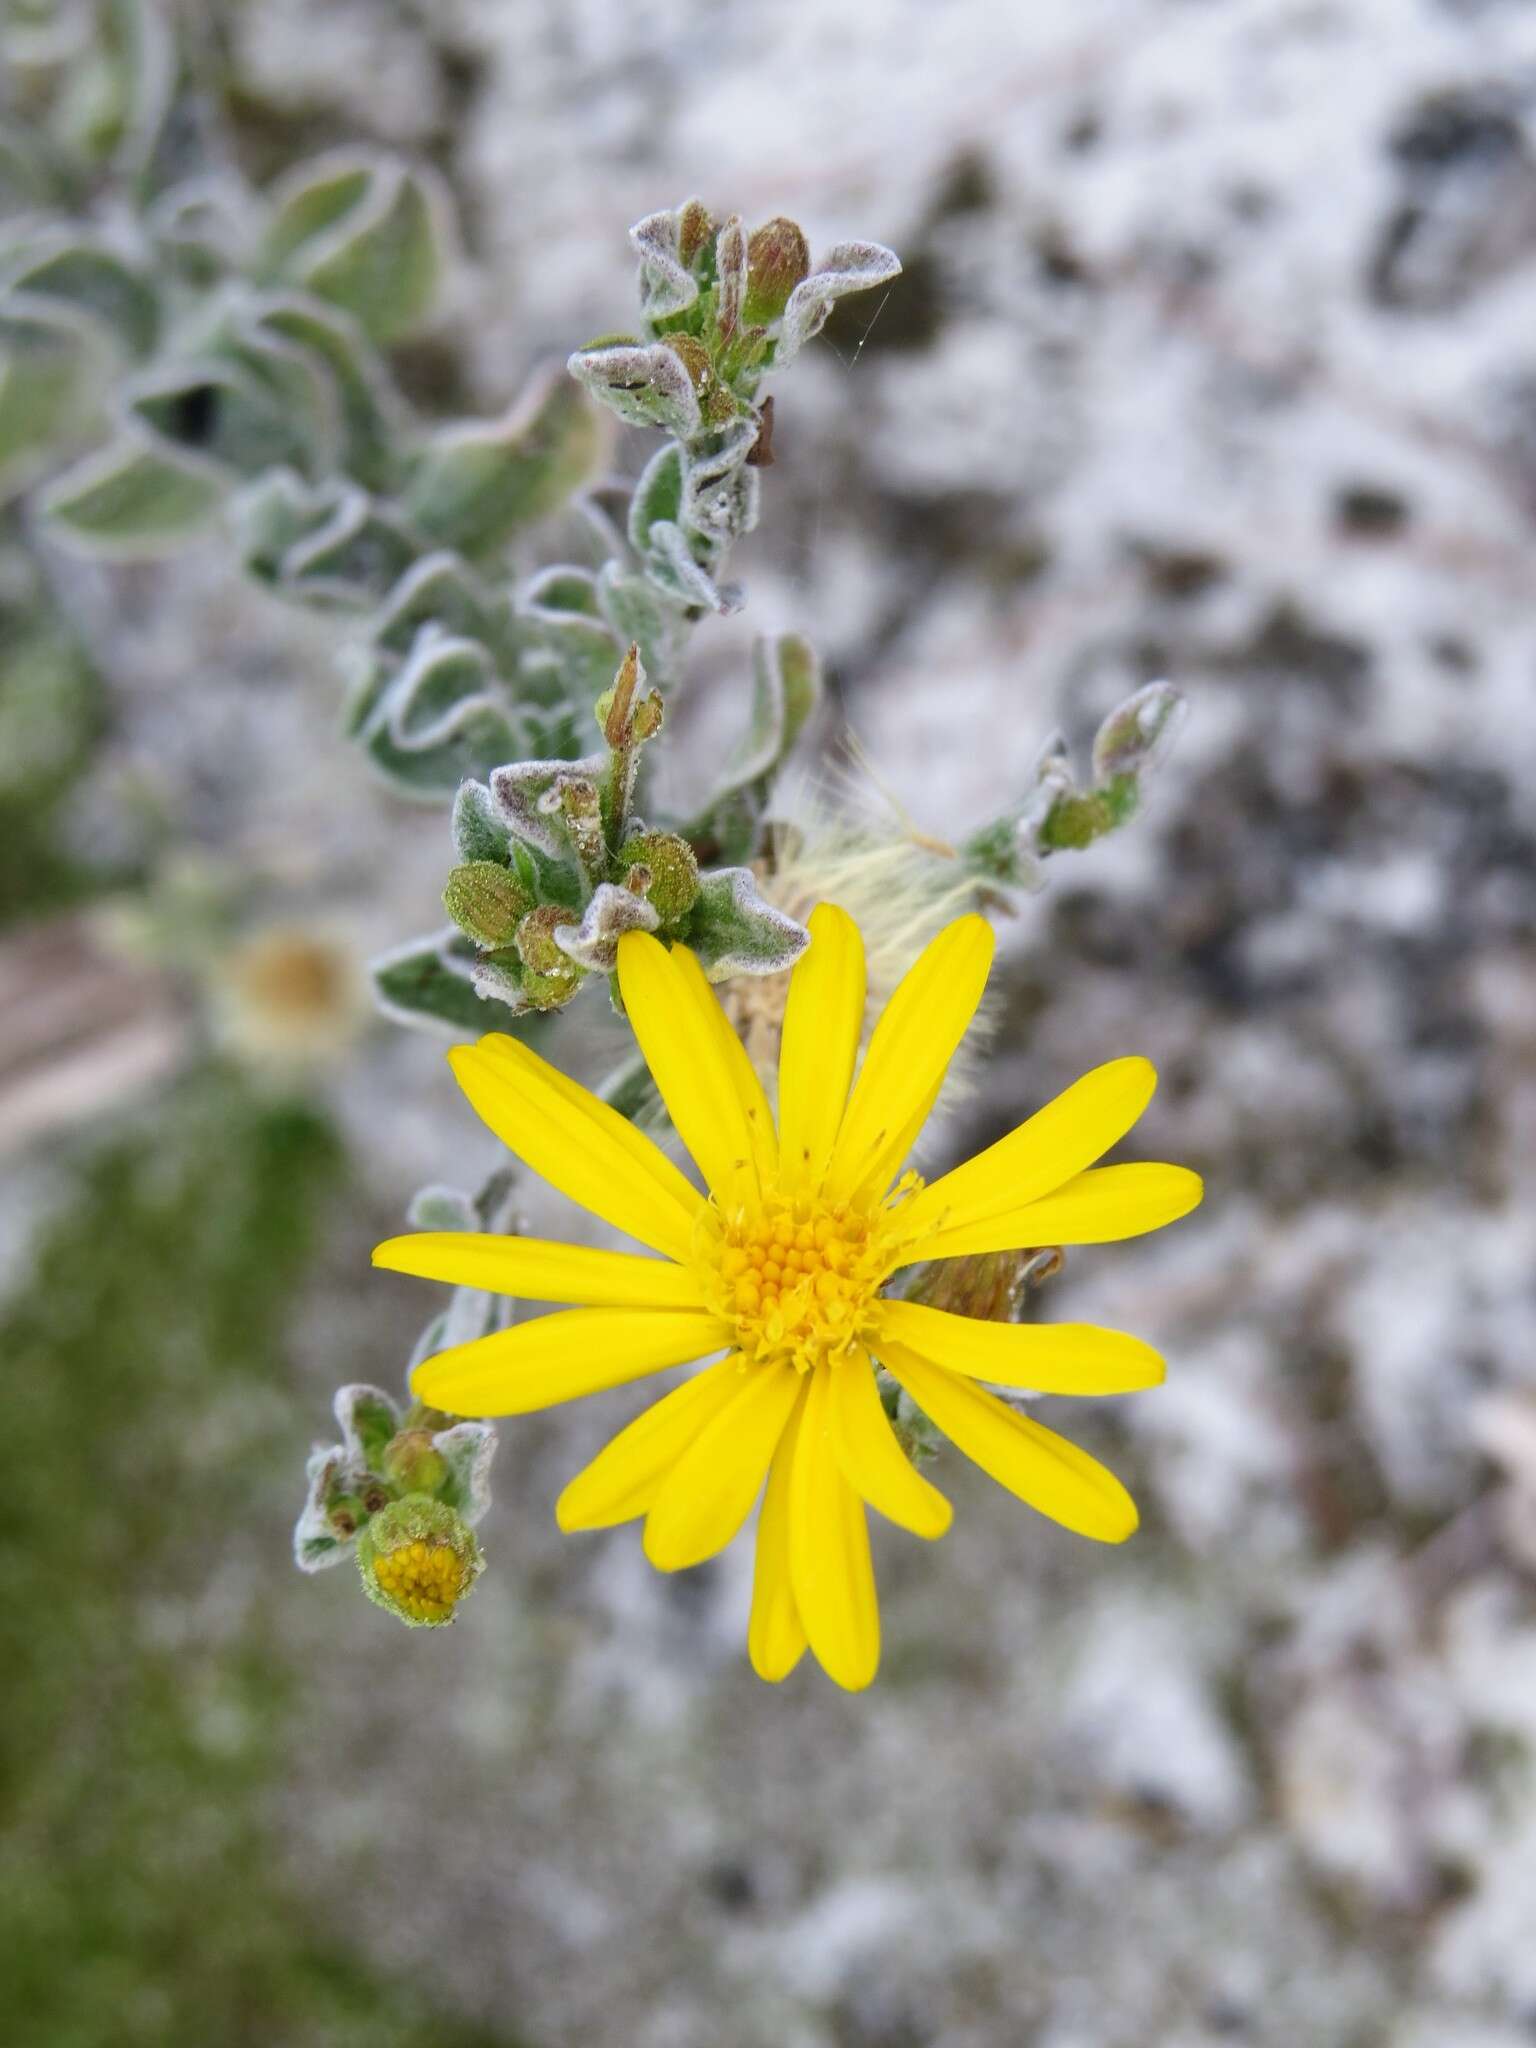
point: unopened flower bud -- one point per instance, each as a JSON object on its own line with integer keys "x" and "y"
{"x": 622, "y": 716}
{"x": 486, "y": 901}
{"x": 1138, "y": 731}
{"x": 536, "y": 946}
{"x": 673, "y": 888}
{"x": 581, "y": 812}
{"x": 414, "y": 1463}
{"x": 419, "y": 1559}
{"x": 550, "y": 991}
{"x": 694, "y": 357}
{"x": 550, "y": 976}
{"x": 987, "y": 1285}
{"x": 695, "y": 231}
{"x": 777, "y": 260}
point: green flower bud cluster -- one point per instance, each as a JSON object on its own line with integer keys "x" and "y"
{"x": 487, "y": 902}
{"x": 554, "y": 868}
{"x": 402, "y": 1490}
{"x": 778, "y": 259}
{"x": 665, "y": 871}
{"x": 550, "y": 976}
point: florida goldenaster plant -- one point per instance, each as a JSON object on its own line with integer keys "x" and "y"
{"x": 783, "y": 1264}
{"x": 514, "y": 597}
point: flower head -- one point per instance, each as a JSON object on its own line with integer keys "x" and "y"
{"x": 418, "y": 1559}
{"x": 782, "y": 1266}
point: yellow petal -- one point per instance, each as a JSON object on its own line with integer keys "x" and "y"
{"x": 1070, "y": 1133}
{"x": 700, "y": 1066}
{"x": 1105, "y": 1203}
{"x": 873, "y": 1462}
{"x": 823, "y": 1022}
{"x": 1034, "y": 1463}
{"x": 626, "y": 1475}
{"x": 560, "y": 1357}
{"x": 909, "y": 1051}
{"x": 1047, "y": 1358}
{"x": 710, "y": 1490}
{"x": 539, "y": 1270}
{"x": 830, "y": 1567}
{"x": 578, "y": 1144}
{"x": 775, "y": 1634}
{"x": 734, "y": 1056}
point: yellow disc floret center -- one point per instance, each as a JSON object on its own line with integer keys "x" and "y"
{"x": 796, "y": 1275}
{"x": 426, "y": 1580}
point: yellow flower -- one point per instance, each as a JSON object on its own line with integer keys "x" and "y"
{"x": 781, "y": 1266}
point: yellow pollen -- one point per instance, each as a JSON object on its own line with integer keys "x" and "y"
{"x": 426, "y": 1579}
{"x": 797, "y": 1275}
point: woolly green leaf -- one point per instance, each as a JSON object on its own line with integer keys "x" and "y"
{"x": 734, "y": 931}
{"x": 202, "y": 229}
{"x": 89, "y": 275}
{"x": 132, "y": 501}
{"x": 299, "y": 382}
{"x": 562, "y": 589}
{"x": 526, "y": 795}
{"x": 427, "y": 981}
{"x": 140, "y": 50}
{"x": 468, "y": 1449}
{"x": 443, "y": 591}
{"x": 721, "y": 490}
{"x": 658, "y": 495}
{"x": 372, "y": 416}
{"x": 441, "y": 718}
{"x": 850, "y": 267}
{"x": 316, "y": 1545}
{"x": 786, "y": 688}
{"x": 312, "y": 199}
{"x": 566, "y": 656}
{"x": 479, "y": 830}
{"x": 367, "y": 234}
{"x": 368, "y": 1418}
{"x": 219, "y": 410}
{"x": 353, "y": 559}
{"x": 673, "y": 565}
{"x": 644, "y": 383}
{"x": 270, "y": 515}
{"x": 115, "y": 89}
{"x": 636, "y": 612}
{"x": 27, "y": 181}
{"x": 45, "y": 363}
{"x": 477, "y": 484}
{"x": 666, "y": 286}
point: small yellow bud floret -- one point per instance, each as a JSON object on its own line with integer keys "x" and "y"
{"x": 425, "y": 1579}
